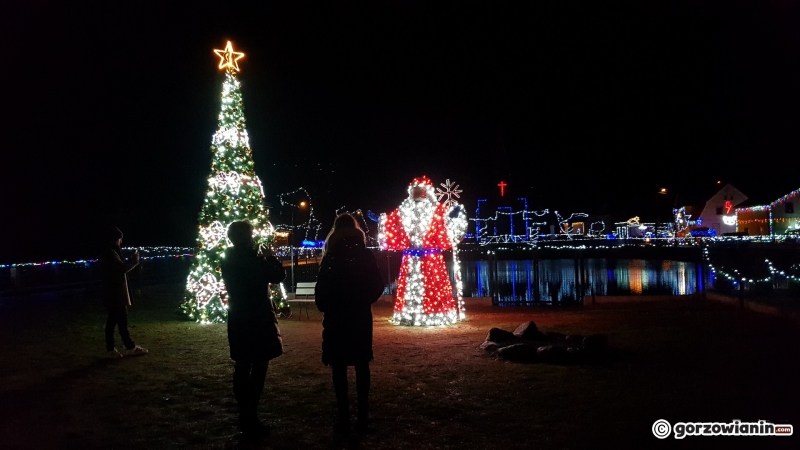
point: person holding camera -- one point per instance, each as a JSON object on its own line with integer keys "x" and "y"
{"x": 116, "y": 294}
{"x": 253, "y": 332}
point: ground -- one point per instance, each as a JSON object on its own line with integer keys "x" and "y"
{"x": 681, "y": 360}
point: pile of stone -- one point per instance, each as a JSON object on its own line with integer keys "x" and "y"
{"x": 528, "y": 344}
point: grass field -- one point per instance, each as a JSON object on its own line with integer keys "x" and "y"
{"x": 679, "y": 360}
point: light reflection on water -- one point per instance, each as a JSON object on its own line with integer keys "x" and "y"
{"x": 566, "y": 281}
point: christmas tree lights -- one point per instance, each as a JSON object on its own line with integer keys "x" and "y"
{"x": 234, "y": 193}
{"x": 422, "y": 228}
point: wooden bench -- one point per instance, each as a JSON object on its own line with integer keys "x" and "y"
{"x": 304, "y": 289}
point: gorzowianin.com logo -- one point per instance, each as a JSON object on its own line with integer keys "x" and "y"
{"x": 662, "y": 429}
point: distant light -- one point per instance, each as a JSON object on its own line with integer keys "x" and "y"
{"x": 302, "y": 204}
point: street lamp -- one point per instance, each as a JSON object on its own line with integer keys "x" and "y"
{"x": 662, "y": 193}
{"x": 291, "y": 243}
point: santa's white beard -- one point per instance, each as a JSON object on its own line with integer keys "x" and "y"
{"x": 416, "y": 216}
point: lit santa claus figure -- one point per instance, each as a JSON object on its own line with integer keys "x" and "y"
{"x": 422, "y": 228}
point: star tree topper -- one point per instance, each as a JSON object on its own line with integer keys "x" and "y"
{"x": 229, "y": 58}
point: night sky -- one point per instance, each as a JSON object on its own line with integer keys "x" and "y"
{"x": 109, "y": 108}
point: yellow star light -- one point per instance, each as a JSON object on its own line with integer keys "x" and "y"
{"x": 229, "y": 58}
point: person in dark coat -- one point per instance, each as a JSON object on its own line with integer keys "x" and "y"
{"x": 116, "y": 293}
{"x": 349, "y": 282}
{"x": 253, "y": 333}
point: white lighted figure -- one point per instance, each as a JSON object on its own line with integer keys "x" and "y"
{"x": 423, "y": 228}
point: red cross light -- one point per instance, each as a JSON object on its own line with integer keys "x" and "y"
{"x": 502, "y": 185}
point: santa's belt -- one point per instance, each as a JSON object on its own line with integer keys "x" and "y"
{"x": 422, "y": 251}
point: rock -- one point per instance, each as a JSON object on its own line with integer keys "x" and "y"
{"x": 500, "y": 335}
{"x": 554, "y": 336}
{"x": 528, "y": 330}
{"x": 489, "y": 346}
{"x": 518, "y": 352}
{"x": 595, "y": 342}
{"x": 551, "y": 353}
{"x": 574, "y": 339}
{"x": 575, "y": 350}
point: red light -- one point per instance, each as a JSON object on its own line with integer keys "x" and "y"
{"x": 502, "y": 185}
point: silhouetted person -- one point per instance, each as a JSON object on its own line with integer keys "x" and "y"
{"x": 349, "y": 283}
{"x": 116, "y": 293}
{"x": 253, "y": 332}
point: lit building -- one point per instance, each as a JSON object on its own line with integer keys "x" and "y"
{"x": 775, "y": 218}
{"x": 717, "y": 216}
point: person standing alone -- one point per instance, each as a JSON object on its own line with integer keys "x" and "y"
{"x": 349, "y": 282}
{"x": 116, "y": 293}
{"x": 253, "y": 332}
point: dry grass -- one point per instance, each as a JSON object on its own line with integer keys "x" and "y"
{"x": 680, "y": 360}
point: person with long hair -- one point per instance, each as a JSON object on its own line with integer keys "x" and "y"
{"x": 349, "y": 282}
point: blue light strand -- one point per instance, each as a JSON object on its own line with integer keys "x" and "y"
{"x": 421, "y": 251}
{"x": 173, "y": 252}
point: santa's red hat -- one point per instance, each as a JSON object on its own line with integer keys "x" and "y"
{"x": 421, "y": 181}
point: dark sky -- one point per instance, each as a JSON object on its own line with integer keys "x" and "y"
{"x": 110, "y": 107}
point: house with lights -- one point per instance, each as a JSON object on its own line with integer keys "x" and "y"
{"x": 773, "y": 219}
{"x": 716, "y": 217}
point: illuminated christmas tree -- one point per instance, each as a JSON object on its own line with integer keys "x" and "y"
{"x": 234, "y": 193}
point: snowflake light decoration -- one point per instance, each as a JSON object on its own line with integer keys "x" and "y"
{"x": 450, "y": 191}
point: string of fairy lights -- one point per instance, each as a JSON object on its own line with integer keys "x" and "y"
{"x": 146, "y": 253}
{"x": 735, "y": 277}
{"x": 564, "y": 224}
{"x": 486, "y": 233}
{"x": 771, "y": 205}
{"x": 312, "y": 224}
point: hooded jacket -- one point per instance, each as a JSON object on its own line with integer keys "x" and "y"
{"x": 253, "y": 332}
